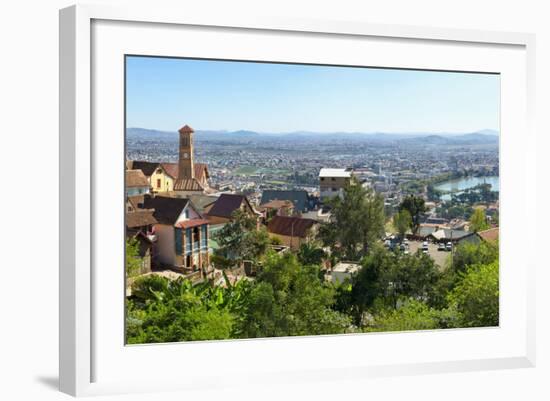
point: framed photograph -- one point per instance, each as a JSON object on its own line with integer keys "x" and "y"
{"x": 310, "y": 200}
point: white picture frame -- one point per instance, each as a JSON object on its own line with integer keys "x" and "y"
{"x": 82, "y": 203}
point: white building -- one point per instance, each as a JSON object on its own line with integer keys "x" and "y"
{"x": 332, "y": 181}
{"x": 344, "y": 271}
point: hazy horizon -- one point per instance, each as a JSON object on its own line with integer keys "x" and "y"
{"x": 485, "y": 131}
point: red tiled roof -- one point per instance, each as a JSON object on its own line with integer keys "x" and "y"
{"x": 187, "y": 184}
{"x": 136, "y": 178}
{"x": 226, "y": 204}
{"x": 201, "y": 171}
{"x": 290, "y": 226}
{"x": 191, "y": 223}
{"x": 186, "y": 129}
{"x": 135, "y": 201}
{"x": 140, "y": 218}
{"x": 489, "y": 235}
{"x": 171, "y": 169}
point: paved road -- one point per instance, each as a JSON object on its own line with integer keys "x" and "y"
{"x": 440, "y": 257}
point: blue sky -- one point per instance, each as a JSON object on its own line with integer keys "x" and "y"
{"x": 166, "y": 93}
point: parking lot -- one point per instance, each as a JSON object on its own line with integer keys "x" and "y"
{"x": 440, "y": 257}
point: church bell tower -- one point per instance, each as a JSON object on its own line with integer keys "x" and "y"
{"x": 186, "y": 169}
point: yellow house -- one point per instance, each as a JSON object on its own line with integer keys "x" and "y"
{"x": 161, "y": 176}
{"x": 181, "y": 179}
{"x": 162, "y": 179}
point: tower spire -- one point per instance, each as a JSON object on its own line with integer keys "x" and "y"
{"x": 186, "y": 169}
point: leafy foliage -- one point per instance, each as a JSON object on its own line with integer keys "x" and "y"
{"x": 466, "y": 254}
{"x": 310, "y": 254}
{"x": 392, "y": 291}
{"x": 386, "y": 277}
{"x": 133, "y": 260}
{"x": 402, "y": 221}
{"x": 478, "y": 221}
{"x": 412, "y": 315}
{"x": 416, "y": 207}
{"x": 287, "y": 299}
{"x": 469, "y": 254}
{"x": 240, "y": 239}
{"x": 166, "y": 311}
{"x": 452, "y": 210}
{"x": 358, "y": 220}
{"x": 290, "y": 299}
{"x": 476, "y": 296}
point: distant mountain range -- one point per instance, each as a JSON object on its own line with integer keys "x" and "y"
{"x": 485, "y": 136}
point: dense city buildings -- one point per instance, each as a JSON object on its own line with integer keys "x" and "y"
{"x": 216, "y": 211}
{"x": 283, "y": 175}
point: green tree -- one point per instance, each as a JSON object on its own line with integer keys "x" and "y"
{"x": 412, "y": 315}
{"x": 476, "y": 296}
{"x": 433, "y": 194}
{"x": 358, "y": 220}
{"x": 402, "y": 221}
{"x": 464, "y": 255}
{"x": 240, "y": 239}
{"x": 478, "y": 221}
{"x": 133, "y": 260}
{"x": 469, "y": 254}
{"x": 290, "y": 299}
{"x": 165, "y": 311}
{"x": 162, "y": 310}
{"x": 310, "y": 254}
{"x": 416, "y": 207}
{"x": 386, "y": 277}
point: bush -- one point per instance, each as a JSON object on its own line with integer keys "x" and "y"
{"x": 476, "y": 296}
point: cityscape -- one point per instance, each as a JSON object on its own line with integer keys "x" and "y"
{"x": 241, "y": 233}
{"x": 390, "y": 163}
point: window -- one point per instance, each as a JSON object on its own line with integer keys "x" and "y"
{"x": 322, "y": 178}
{"x": 333, "y": 179}
{"x": 158, "y": 183}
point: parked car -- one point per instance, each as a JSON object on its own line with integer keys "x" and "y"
{"x": 449, "y": 246}
{"x": 441, "y": 246}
